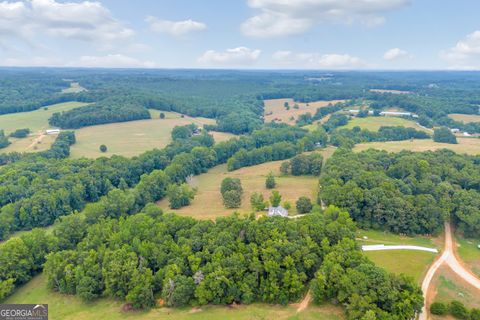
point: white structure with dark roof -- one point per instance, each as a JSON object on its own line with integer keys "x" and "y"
{"x": 277, "y": 211}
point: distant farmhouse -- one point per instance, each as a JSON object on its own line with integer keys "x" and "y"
{"x": 277, "y": 211}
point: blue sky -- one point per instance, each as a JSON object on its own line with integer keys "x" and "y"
{"x": 252, "y": 34}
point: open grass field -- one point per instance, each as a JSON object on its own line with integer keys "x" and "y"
{"x": 412, "y": 263}
{"x": 468, "y": 251}
{"x": 75, "y": 87}
{"x": 34, "y": 120}
{"x": 130, "y": 138}
{"x": 63, "y": 307}
{"x": 374, "y": 123}
{"x": 33, "y": 143}
{"x": 208, "y": 200}
{"x": 465, "y": 145}
{"x": 448, "y": 286}
{"x": 275, "y": 110}
{"x": 467, "y": 118}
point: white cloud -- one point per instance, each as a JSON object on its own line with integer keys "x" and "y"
{"x": 316, "y": 60}
{"x": 111, "y": 61}
{"x": 86, "y": 21}
{"x": 240, "y": 56}
{"x": 465, "y": 54}
{"x": 175, "y": 28}
{"x": 288, "y": 17}
{"x": 396, "y": 54}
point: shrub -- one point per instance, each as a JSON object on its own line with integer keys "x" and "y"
{"x": 439, "y": 308}
{"x": 304, "y": 205}
{"x": 103, "y": 148}
{"x": 458, "y": 310}
{"x": 270, "y": 183}
{"x": 162, "y": 115}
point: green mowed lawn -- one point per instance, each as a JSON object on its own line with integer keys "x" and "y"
{"x": 65, "y": 307}
{"x": 34, "y": 120}
{"x": 130, "y": 138}
{"x": 465, "y": 145}
{"x": 409, "y": 262}
{"x": 469, "y": 252}
{"x": 374, "y": 123}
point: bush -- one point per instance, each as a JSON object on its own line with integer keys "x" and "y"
{"x": 103, "y": 148}
{"x": 257, "y": 202}
{"x": 20, "y": 133}
{"x": 275, "y": 198}
{"x": 180, "y": 195}
{"x": 458, "y": 310}
{"x": 304, "y": 205}
{"x": 231, "y": 190}
{"x": 475, "y": 314}
{"x": 162, "y": 115}
{"x": 439, "y": 308}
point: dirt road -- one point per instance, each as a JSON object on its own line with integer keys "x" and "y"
{"x": 448, "y": 257}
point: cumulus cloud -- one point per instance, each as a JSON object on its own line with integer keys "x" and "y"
{"x": 175, "y": 28}
{"x": 465, "y": 54}
{"x": 86, "y": 21}
{"x": 316, "y": 60}
{"x": 396, "y": 54}
{"x": 240, "y": 56}
{"x": 288, "y": 17}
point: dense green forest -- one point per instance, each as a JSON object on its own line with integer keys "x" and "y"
{"x": 408, "y": 193}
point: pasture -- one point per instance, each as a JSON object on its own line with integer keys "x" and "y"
{"x": 374, "y": 123}
{"x": 466, "y": 118}
{"x": 75, "y": 87}
{"x": 66, "y": 307}
{"x": 130, "y": 138}
{"x": 34, "y": 120}
{"x": 469, "y": 253}
{"x": 208, "y": 200}
{"x": 275, "y": 109}
{"x": 465, "y": 145}
{"x": 412, "y": 263}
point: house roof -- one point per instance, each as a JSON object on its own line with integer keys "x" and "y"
{"x": 277, "y": 211}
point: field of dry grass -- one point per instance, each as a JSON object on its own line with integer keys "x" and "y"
{"x": 208, "y": 200}
{"x": 130, "y": 138}
{"x": 465, "y": 145}
{"x": 467, "y": 118}
{"x": 275, "y": 110}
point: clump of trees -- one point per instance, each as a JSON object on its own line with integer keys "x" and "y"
{"x": 257, "y": 201}
{"x": 180, "y": 195}
{"x": 444, "y": 135}
{"x": 411, "y": 193}
{"x": 184, "y": 132}
{"x": 20, "y": 133}
{"x": 232, "y": 191}
{"x": 303, "y": 164}
{"x": 3, "y": 140}
{"x": 455, "y": 309}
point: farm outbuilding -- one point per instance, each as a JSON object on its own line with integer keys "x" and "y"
{"x": 277, "y": 211}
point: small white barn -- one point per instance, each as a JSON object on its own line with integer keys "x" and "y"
{"x": 277, "y": 211}
{"x": 52, "y": 131}
{"x": 455, "y": 130}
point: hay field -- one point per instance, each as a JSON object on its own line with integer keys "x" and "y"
{"x": 275, "y": 110}
{"x": 467, "y": 118}
{"x": 465, "y": 145}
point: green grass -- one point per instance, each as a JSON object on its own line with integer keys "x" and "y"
{"x": 374, "y": 123}
{"x": 130, "y": 138}
{"x": 34, "y": 120}
{"x": 409, "y": 262}
{"x": 469, "y": 252}
{"x": 412, "y": 263}
{"x": 63, "y": 307}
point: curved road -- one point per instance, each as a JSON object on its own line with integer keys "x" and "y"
{"x": 448, "y": 257}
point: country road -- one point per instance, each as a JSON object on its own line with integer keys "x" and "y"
{"x": 448, "y": 257}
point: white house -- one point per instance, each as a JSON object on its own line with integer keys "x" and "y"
{"x": 277, "y": 211}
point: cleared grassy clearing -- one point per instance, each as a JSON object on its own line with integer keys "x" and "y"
{"x": 63, "y": 307}
{"x": 448, "y": 286}
{"x": 222, "y": 136}
{"x": 130, "y": 138}
{"x": 374, "y": 123}
{"x": 75, "y": 87}
{"x": 469, "y": 253}
{"x": 274, "y": 109}
{"x": 412, "y": 263}
{"x": 34, "y": 120}
{"x": 33, "y": 143}
{"x": 467, "y": 118}
{"x": 208, "y": 200}
{"x": 465, "y": 145}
